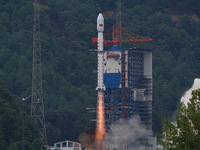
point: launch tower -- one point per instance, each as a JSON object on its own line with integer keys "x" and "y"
{"x": 127, "y": 81}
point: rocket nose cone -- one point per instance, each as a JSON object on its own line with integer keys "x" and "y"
{"x": 100, "y": 17}
{"x": 100, "y": 23}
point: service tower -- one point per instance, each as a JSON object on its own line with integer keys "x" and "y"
{"x": 125, "y": 78}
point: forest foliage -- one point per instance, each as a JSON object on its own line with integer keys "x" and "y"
{"x": 17, "y": 129}
{"x": 184, "y": 133}
{"x": 69, "y": 68}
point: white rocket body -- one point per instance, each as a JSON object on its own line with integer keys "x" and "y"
{"x": 100, "y": 29}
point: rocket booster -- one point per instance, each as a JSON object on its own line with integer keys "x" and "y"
{"x": 100, "y": 29}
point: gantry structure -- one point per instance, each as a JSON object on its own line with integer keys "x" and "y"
{"x": 128, "y": 83}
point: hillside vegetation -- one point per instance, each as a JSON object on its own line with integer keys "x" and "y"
{"x": 17, "y": 129}
{"x": 69, "y": 68}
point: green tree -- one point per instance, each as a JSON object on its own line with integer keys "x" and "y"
{"x": 17, "y": 128}
{"x": 184, "y": 134}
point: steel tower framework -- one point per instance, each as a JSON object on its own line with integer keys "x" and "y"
{"x": 127, "y": 77}
{"x": 113, "y": 96}
{"x": 37, "y": 105}
{"x": 128, "y": 82}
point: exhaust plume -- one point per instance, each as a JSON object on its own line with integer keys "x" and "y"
{"x": 100, "y": 124}
{"x": 126, "y": 135}
{"x": 188, "y": 94}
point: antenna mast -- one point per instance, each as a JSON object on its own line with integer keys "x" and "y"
{"x": 117, "y": 33}
{"x": 119, "y": 13}
{"x": 37, "y": 106}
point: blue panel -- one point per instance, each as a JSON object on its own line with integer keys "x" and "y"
{"x": 114, "y": 48}
{"x": 111, "y": 80}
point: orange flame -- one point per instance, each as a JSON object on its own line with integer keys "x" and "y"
{"x": 100, "y": 126}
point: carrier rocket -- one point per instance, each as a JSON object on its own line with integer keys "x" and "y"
{"x": 100, "y": 29}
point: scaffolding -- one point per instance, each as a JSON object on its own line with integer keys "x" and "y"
{"x": 134, "y": 95}
{"x": 127, "y": 76}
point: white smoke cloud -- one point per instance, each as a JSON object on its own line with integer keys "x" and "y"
{"x": 188, "y": 94}
{"x": 128, "y": 131}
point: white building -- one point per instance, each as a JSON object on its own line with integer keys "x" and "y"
{"x": 67, "y": 145}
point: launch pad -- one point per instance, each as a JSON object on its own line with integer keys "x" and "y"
{"x": 125, "y": 79}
